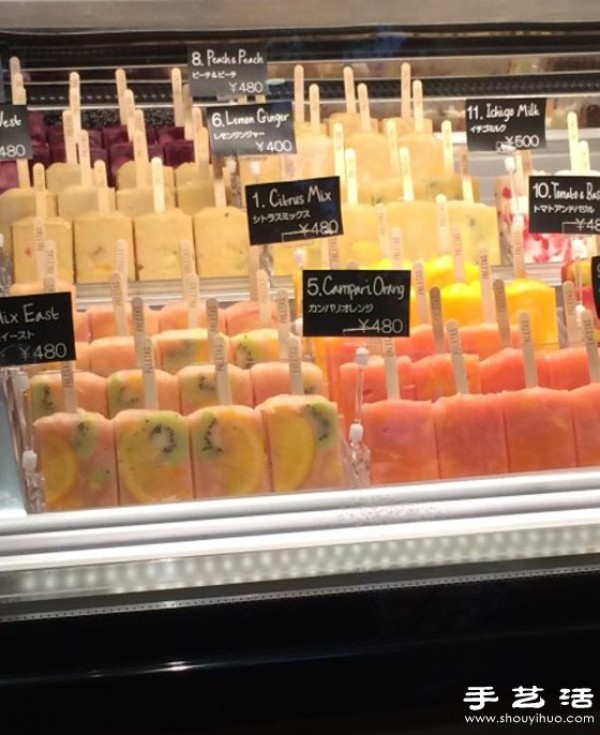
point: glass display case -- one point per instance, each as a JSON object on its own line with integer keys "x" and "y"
{"x": 372, "y": 608}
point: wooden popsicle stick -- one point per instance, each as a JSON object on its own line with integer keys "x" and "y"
{"x": 443, "y": 223}
{"x": 264, "y": 298}
{"x": 149, "y": 375}
{"x": 69, "y": 138}
{"x": 139, "y": 328}
{"x": 288, "y": 168}
{"x": 299, "y": 95}
{"x": 67, "y": 379}
{"x": 39, "y": 185}
{"x": 219, "y": 356}
{"x": 502, "y": 315}
{"x": 50, "y": 267}
{"x": 458, "y": 360}
{"x": 383, "y": 230}
{"x": 422, "y": 303}
{"x": 122, "y": 264}
{"x": 526, "y": 157}
{"x": 485, "y": 284}
{"x": 14, "y": 65}
{"x": 187, "y": 260}
{"x": 191, "y": 291}
{"x": 584, "y": 157}
{"x": 570, "y": 311}
{"x": 129, "y": 112}
{"x": 364, "y": 108}
{"x": 339, "y": 153}
{"x": 406, "y": 171}
{"x": 351, "y": 177}
{"x": 140, "y": 149}
{"x": 333, "y": 249}
{"x": 200, "y": 137}
{"x": 591, "y": 345}
{"x": 417, "y": 92}
{"x": 39, "y": 244}
{"x": 405, "y": 91}
{"x": 396, "y": 243}
{"x": 295, "y": 365}
{"x": 458, "y": 255}
{"x": 121, "y": 81}
{"x": 315, "y": 109}
{"x": 573, "y": 132}
{"x": 84, "y": 159}
{"x": 212, "y": 319}
{"x": 20, "y": 98}
{"x": 518, "y": 247}
{"x": 102, "y": 186}
{"x": 528, "y": 348}
{"x": 437, "y": 320}
{"x": 448, "y": 147}
{"x": 177, "y": 97}
{"x": 188, "y": 104}
{"x": 349, "y": 91}
{"x": 219, "y": 191}
{"x": 117, "y": 297}
{"x": 392, "y": 384}
{"x": 465, "y": 175}
{"x": 158, "y": 185}
{"x": 75, "y": 102}
{"x": 391, "y": 135}
{"x": 253, "y": 268}
{"x": 284, "y": 325}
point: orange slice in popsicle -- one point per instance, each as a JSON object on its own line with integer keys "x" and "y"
{"x": 59, "y": 468}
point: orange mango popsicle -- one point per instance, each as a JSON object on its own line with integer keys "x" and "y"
{"x": 401, "y": 437}
{"x": 433, "y": 376}
{"x": 109, "y": 354}
{"x": 77, "y": 460}
{"x": 104, "y": 324}
{"x": 153, "y": 456}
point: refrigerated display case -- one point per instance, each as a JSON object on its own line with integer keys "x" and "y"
{"x": 364, "y": 610}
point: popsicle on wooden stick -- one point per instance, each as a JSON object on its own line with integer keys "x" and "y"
{"x": 539, "y": 425}
{"x": 350, "y": 119}
{"x": 153, "y": 451}
{"x": 228, "y": 440}
{"x": 371, "y": 148}
{"x": 314, "y": 156}
{"x": 585, "y": 402}
{"x": 77, "y": 454}
{"x": 359, "y": 242}
{"x": 405, "y": 122}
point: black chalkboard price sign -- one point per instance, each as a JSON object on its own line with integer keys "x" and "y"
{"x": 15, "y": 139}
{"x": 356, "y": 303}
{"x": 252, "y": 130}
{"x": 36, "y": 329}
{"x": 596, "y": 283}
{"x": 227, "y": 70}
{"x": 294, "y": 210}
{"x": 564, "y": 204}
{"x": 506, "y": 123}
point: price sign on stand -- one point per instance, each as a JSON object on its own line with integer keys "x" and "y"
{"x": 566, "y": 204}
{"x": 252, "y": 130}
{"x": 506, "y": 123}
{"x": 596, "y": 282}
{"x": 294, "y": 210}
{"x": 15, "y": 139}
{"x": 355, "y": 303}
{"x": 36, "y": 329}
{"x": 227, "y": 70}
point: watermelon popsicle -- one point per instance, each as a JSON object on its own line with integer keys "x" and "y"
{"x": 153, "y": 448}
{"x": 538, "y": 421}
{"x": 469, "y": 429}
{"x": 399, "y": 433}
{"x": 229, "y": 453}
{"x": 77, "y": 454}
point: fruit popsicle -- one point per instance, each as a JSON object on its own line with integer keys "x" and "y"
{"x": 469, "y": 429}
{"x": 426, "y": 151}
{"x": 62, "y": 174}
{"x": 370, "y": 147}
{"x": 538, "y": 421}
{"x": 314, "y": 156}
{"x": 405, "y": 124}
{"x": 568, "y": 368}
{"x": 125, "y": 391}
{"x": 153, "y": 447}
{"x": 303, "y": 437}
{"x": 228, "y": 441}
{"x": 158, "y": 234}
{"x": 349, "y": 119}
{"x": 77, "y": 455}
{"x": 177, "y": 348}
{"x": 46, "y": 393}
{"x": 359, "y": 241}
{"x": 585, "y": 402}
